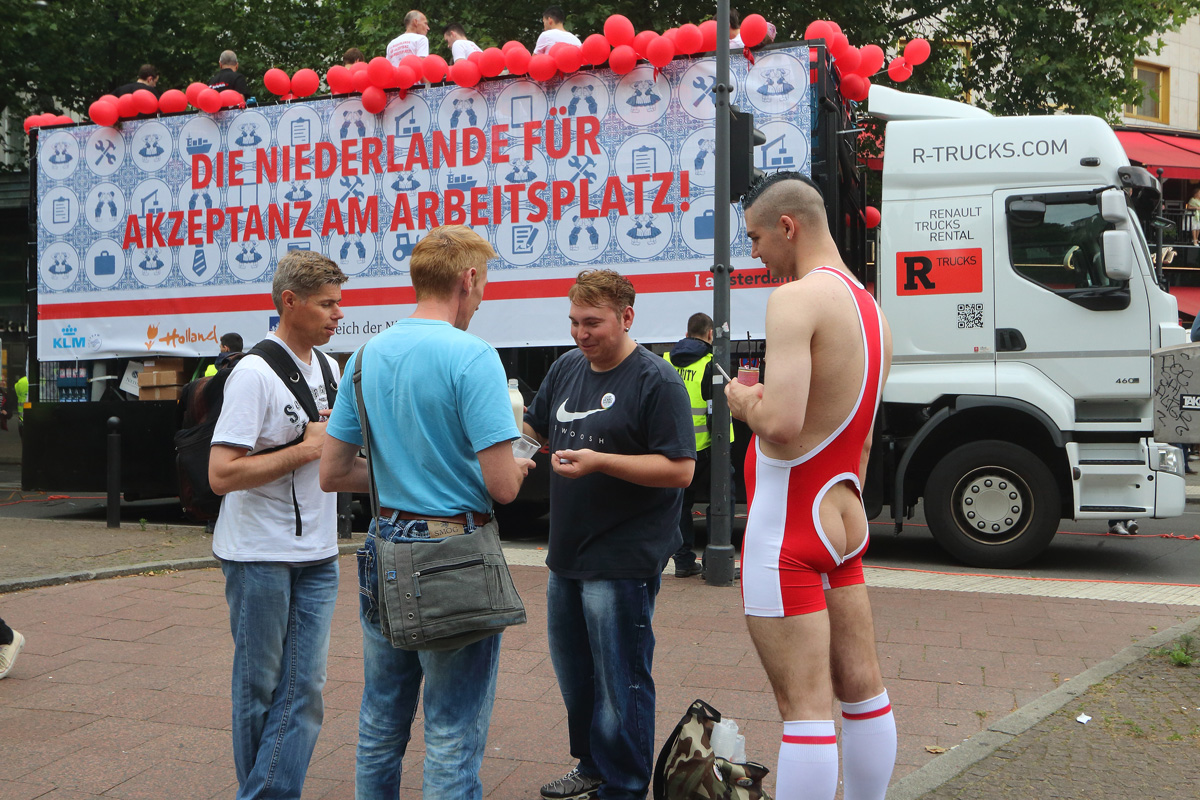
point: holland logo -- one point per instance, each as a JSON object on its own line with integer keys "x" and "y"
{"x": 70, "y": 340}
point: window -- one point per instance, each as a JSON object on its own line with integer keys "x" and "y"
{"x": 1156, "y": 94}
{"x": 1055, "y": 242}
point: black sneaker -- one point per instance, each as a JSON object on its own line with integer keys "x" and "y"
{"x": 683, "y": 570}
{"x": 572, "y": 786}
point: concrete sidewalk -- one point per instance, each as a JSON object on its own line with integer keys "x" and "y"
{"x": 122, "y": 690}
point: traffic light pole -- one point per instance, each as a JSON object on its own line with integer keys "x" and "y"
{"x": 718, "y": 556}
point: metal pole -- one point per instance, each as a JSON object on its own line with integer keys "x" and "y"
{"x": 718, "y": 557}
{"x": 343, "y": 515}
{"x": 114, "y": 472}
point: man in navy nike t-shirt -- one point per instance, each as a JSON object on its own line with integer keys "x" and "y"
{"x": 618, "y": 421}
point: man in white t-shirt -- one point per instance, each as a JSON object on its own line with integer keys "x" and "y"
{"x": 412, "y": 42}
{"x": 276, "y": 535}
{"x": 456, "y": 39}
{"x": 553, "y": 32}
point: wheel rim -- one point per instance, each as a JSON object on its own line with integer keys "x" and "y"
{"x": 992, "y": 505}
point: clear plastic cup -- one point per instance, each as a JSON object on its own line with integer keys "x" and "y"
{"x": 525, "y": 447}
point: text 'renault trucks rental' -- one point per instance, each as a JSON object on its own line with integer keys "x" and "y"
{"x": 1017, "y": 280}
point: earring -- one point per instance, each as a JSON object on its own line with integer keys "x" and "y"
{"x": 627, "y": 330}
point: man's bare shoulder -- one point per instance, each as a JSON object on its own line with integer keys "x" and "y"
{"x": 805, "y": 297}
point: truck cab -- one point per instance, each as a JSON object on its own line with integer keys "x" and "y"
{"x": 1024, "y": 308}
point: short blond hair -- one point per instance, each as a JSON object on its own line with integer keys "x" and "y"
{"x": 443, "y": 255}
{"x": 598, "y": 288}
{"x": 304, "y": 272}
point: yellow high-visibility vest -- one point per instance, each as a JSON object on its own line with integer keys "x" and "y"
{"x": 693, "y": 379}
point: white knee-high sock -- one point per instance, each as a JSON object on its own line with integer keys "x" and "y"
{"x": 808, "y": 761}
{"x": 868, "y": 748}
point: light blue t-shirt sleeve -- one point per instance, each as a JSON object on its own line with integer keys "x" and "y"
{"x": 343, "y": 422}
{"x": 483, "y": 404}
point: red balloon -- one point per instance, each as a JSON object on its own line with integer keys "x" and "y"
{"x": 111, "y": 98}
{"x": 374, "y": 99}
{"x": 595, "y": 49}
{"x": 209, "y": 100}
{"x": 381, "y": 72}
{"x": 127, "y": 107}
{"x": 434, "y": 68}
{"x": 754, "y": 30}
{"x": 360, "y": 66}
{"x": 669, "y": 34}
{"x": 464, "y": 73}
{"x": 567, "y": 57}
{"x": 916, "y": 51}
{"x": 509, "y": 45}
{"x": 542, "y": 67}
{"x": 689, "y": 39}
{"x": 517, "y": 60}
{"x": 854, "y": 87}
{"x": 405, "y": 77}
{"x": 849, "y": 61}
{"x": 145, "y": 101}
{"x": 899, "y": 70}
{"x": 60, "y": 119}
{"x": 339, "y": 79}
{"x": 838, "y": 44}
{"x": 414, "y": 63}
{"x": 618, "y": 30}
{"x": 642, "y": 41}
{"x": 31, "y": 122}
{"x": 660, "y": 51}
{"x": 172, "y": 101}
{"x": 834, "y": 26}
{"x": 491, "y": 62}
{"x": 622, "y": 59}
{"x": 818, "y": 29}
{"x": 870, "y": 60}
{"x": 871, "y": 213}
{"x": 231, "y": 98}
{"x": 277, "y": 81}
{"x": 103, "y": 112}
{"x": 708, "y": 30}
{"x": 475, "y": 57}
{"x": 305, "y": 82}
{"x": 360, "y": 80}
{"x": 193, "y": 92}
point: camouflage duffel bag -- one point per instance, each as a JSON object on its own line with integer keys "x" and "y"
{"x": 687, "y": 769}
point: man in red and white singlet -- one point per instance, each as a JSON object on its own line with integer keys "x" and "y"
{"x": 829, "y": 349}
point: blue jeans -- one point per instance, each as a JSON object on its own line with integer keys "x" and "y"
{"x": 280, "y": 617}
{"x": 460, "y": 687}
{"x": 602, "y": 646}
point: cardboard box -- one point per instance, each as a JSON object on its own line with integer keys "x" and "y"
{"x": 159, "y": 392}
{"x": 163, "y": 364}
{"x": 146, "y": 378}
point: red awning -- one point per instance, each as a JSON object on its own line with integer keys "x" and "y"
{"x": 1177, "y": 156}
{"x": 1188, "y": 298}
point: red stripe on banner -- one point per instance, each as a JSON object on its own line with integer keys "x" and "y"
{"x": 396, "y": 295}
{"x": 869, "y": 714}
{"x": 809, "y": 739}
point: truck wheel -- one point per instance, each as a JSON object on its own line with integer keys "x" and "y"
{"x": 992, "y": 504}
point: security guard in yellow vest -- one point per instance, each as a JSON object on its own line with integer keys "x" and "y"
{"x": 692, "y": 359}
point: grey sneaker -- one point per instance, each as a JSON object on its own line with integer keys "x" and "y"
{"x": 572, "y": 786}
{"x": 8, "y": 653}
{"x": 1131, "y": 525}
{"x": 1119, "y": 528}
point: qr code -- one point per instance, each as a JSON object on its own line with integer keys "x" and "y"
{"x": 970, "y": 315}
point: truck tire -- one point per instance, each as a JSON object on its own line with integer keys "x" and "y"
{"x": 992, "y": 504}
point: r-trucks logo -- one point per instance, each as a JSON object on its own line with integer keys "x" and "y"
{"x": 940, "y": 272}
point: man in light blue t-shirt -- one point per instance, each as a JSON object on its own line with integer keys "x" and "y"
{"x": 441, "y": 426}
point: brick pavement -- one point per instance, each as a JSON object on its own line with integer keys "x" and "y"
{"x": 122, "y": 690}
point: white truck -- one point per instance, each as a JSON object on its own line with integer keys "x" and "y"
{"x": 1024, "y": 307}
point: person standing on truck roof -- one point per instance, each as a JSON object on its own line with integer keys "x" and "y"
{"x": 619, "y": 425}
{"x": 456, "y": 39}
{"x": 413, "y": 42}
{"x": 227, "y": 76}
{"x": 352, "y": 56}
{"x": 441, "y": 425}
{"x": 147, "y": 78}
{"x": 802, "y": 579}
{"x": 276, "y": 535}
{"x": 231, "y": 344}
{"x": 553, "y": 31}
{"x": 692, "y": 359}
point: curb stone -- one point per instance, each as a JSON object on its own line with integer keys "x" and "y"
{"x": 980, "y": 746}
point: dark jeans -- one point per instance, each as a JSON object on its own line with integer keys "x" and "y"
{"x": 602, "y": 647}
{"x": 687, "y": 525}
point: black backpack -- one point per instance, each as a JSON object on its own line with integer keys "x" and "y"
{"x": 200, "y": 408}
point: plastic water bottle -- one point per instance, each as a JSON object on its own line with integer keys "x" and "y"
{"x": 724, "y": 739}
{"x": 518, "y": 403}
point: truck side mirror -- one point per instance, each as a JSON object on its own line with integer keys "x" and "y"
{"x": 1113, "y": 207}
{"x": 1118, "y": 254}
{"x": 1026, "y": 213}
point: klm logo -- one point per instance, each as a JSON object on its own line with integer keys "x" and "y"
{"x": 70, "y": 340}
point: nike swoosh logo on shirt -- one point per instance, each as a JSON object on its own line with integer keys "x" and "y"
{"x": 562, "y": 415}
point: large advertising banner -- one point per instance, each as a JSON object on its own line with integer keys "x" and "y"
{"x": 160, "y": 235}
